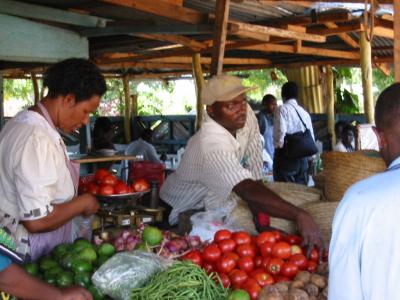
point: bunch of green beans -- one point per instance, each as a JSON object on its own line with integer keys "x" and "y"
{"x": 182, "y": 281}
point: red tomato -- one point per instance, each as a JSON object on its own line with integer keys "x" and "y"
{"x": 100, "y": 173}
{"x": 82, "y": 188}
{"x": 252, "y": 287}
{"x": 226, "y": 282}
{"x": 289, "y": 269}
{"x": 121, "y": 188}
{"x": 314, "y": 255}
{"x": 245, "y": 250}
{"x": 281, "y": 278}
{"x": 233, "y": 255}
{"x": 281, "y": 250}
{"x": 278, "y": 235}
{"x": 274, "y": 266}
{"x": 299, "y": 260}
{"x": 266, "y": 249}
{"x": 92, "y": 188}
{"x": 241, "y": 237}
{"x": 211, "y": 253}
{"x": 256, "y": 271}
{"x": 106, "y": 190}
{"x": 295, "y": 249}
{"x": 246, "y": 264}
{"x": 226, "y": 264}
{"x": 227, "y": 245}
{"x": 265, "y": 262}
{"x": 222, "y": 234}
{"x": 109, "y": 179}
{"x": 312, "y": 266}
{"x": 293, "y": 239}
{"x": 263, "y": 279}
{"x": 208, "y": 267}
{"x": 265, "y": 236}
{"x": 140, "y": 185}
{"x": 238, "y": 277}
{"x": 194, "y": 256}
{"x": 258, "y": 261}
{"x": 325, "y": 255}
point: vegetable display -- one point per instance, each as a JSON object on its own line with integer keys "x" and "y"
{"x": 182, "y": 281}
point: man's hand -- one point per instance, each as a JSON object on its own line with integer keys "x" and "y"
{"x": 89, "y": 203}
{"x": 75, "y": 293}
{"x": 310, "y": 232}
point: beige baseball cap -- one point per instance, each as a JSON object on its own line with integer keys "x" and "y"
{"x": 223, "y": 88}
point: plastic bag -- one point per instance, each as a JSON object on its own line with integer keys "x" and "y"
{"x": 126, "y": 271}
{"x": 82, "y": 228}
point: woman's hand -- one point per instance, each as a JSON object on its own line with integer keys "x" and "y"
{"x": 89, "y": 204}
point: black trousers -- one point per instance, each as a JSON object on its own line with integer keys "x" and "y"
{"x": 290, "y": 169}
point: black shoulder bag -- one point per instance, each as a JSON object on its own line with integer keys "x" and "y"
{"x": 299, "y": 144}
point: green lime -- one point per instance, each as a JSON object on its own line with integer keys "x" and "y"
{"x": 51, "y": 280}
{"x": 96, "y": 294}
{"x": 143, "y": 247}
{"x": 67, "y": 259}
{"x": 87, "y": 254}
{"x": 64, "y": 279}
{"x": 59, "y": 251}
{"x": 83, "y": 279}
{"x": 47, "y": 263}
{"x": 32, "y": 268}
{"x": 101, "y": 260}
{"x": 80, "y": 244}
{"x": 239, "y": 294}
{"x": 152, "y": 236}
{"x": 106, "y": 249}
{"x": 53, "y": 272}
{"x": 81, "y": 265}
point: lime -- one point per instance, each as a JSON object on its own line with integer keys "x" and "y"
{"x": 64, "y": 279}
{"x": 143, "y": 247}
{"x": 83, "y": 279}
{"x": 51, "y": 280}
{"x": 101, "y": 260}
{"x": 67, "y": 259}
{"x": 87, "y": 254}
{"x": 47, "y": 263}
{"x": 106, "y": 249}
{"x": 152, "y": 236}
{"x": 32, "y": 268}
{"x": 96, "y": 294}
{"x": 81, "y": 265}
{"x": 239, "y": 294}
{"x": 59, "y": 251}
{"x": 79, "y": 244}
{"x": 53, "y": 272}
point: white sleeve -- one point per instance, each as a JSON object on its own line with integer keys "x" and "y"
{"x": 254, "y": 147}
{"x": 280, "y": 127}
{"x": 36, "y": 177}
{"x": 153, "y": 154}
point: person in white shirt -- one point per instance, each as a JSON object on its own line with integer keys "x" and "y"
{"x": 143, "y": 147}
{"x": 289, "y": 119}
{"x": 222, "y": 164}
{"x": 38, "y": 182}
{"x": 346, "y": 142}
{"x": 364, "y": 255}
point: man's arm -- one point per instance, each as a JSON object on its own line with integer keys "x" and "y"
{"x": 263, "y": 199}
{"x": 280, "y": 127}
{"x": 17, "y": 282}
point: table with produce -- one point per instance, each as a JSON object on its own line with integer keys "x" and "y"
{"x": 141, "y": 261}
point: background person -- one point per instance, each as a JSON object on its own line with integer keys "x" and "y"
{"x": 288, "y": 119}
{"x": 364, "y": 256}
{"x": 38, "y": 182}
{"x": 347, "y": 140}
{"x": 103, "y": 133}
{"x": 221, "y": 168}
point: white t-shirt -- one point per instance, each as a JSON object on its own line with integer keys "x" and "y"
{"x": 364, "y": 254}
{"x": 143, "y": 148}
{"x": 34, "y": 174}
{"x": 213, "y": 163}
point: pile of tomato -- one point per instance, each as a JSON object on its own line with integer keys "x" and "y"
{"x": 252, "y": 262}
{"x": 104, "y": 183}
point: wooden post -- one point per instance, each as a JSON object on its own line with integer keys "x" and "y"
{"x": 1, "y": 103}
{"x": 219, "y": 39}
{"x": 396, "y": 40}
{"x": 330, "y": 109}
{"x": 35, "y": 87}
{"x": 199, "y": 84}
{"x": 366, "y": 74}
{"x": 134, "y": 105}
{"x": 127, "y": 117}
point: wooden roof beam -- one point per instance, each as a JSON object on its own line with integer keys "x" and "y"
{"x": 334, "y": 29}
{"x": 341, "y": 1}
{"x": 175, "y": 39}
{"x": 144, "y": 65}
{"x": 163, "y": 9}
{"x": 343, "y": 36}
{"x": 249, "y": 30}
{"x": 319, "y": 18}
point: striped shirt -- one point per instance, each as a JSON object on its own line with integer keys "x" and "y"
{"x": 214, "y": 162}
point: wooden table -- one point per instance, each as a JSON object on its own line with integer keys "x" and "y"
{"x": 85, "y": 159}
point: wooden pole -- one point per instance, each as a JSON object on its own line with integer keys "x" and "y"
{"x": 127, "y": 117}
{"x": 199, "y": 84}
{"x": 330, "y": 110}
{"x": 1, "y": 103}
{"x": 134, "y": 105}
{"x": 396, "y": 41}
{"x": 35, "y": 87}
{"x": 219, "y": 39}
{"x": 366, "y": 75}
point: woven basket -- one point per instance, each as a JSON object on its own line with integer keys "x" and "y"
{"x": 297, "y": 195}
{"x": 342, "y": 169}
{"x": 322, "y": 213}
{"x": 319, "y": 181}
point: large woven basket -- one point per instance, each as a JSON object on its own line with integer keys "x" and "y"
{"x": 342, "y": 169}
{"x": 297, "y": 195}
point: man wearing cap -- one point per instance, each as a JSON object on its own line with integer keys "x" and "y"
{"x": 222, "y": 165}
